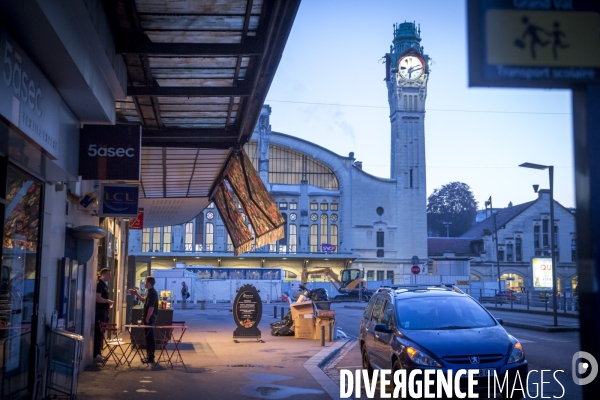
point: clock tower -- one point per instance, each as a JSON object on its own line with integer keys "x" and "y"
{"x": 407, "y": 72}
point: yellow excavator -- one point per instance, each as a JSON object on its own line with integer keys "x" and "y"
{"x": 352, "y": 285}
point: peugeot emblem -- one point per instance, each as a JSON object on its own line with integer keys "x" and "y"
{"x": 474, "y": 359}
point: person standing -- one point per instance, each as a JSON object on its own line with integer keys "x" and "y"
{"x": 103, "y": 304}
{"x": 149, "y": 315}
{"x": 185, "y": 294}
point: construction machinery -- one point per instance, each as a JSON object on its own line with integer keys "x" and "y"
{"x": 352, "y": 286}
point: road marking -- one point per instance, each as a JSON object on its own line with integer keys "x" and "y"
{"x": 526, "y": 341}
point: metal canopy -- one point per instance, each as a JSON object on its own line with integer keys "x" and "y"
{"x": 198, "y": 74}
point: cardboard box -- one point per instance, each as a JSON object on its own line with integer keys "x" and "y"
{"x": 326, "y": 313}
{"x": 306, "y": 307}
{"x": 329, "y": 324}
{"x": 304, "y": 328}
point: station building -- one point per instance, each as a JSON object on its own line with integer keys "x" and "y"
{"x": 337, "y": 215}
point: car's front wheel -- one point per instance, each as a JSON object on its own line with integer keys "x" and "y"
{"x": 366, "y": 364}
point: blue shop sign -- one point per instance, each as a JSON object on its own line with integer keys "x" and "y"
{"x": 119, "y": 201}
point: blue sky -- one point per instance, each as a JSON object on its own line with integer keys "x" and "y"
{"x": 329, "y": 89}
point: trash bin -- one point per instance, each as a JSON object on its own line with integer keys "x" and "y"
{"x": 202, "y": 304}
{"x": 323, "y": 305}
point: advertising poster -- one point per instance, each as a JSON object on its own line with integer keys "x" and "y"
{"x": 542, "y": 273}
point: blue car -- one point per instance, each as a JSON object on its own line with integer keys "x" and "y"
{"x": 441, "y": 328}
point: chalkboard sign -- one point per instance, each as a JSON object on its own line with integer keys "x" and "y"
{"x": 247, "y": 311}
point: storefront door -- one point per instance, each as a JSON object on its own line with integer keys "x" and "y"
{"x": 20, "y": 269}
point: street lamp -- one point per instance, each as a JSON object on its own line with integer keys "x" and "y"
{"x": 550, "y": 169}
{"x": 488, "y": 203}
{"x": 447, "y": 225}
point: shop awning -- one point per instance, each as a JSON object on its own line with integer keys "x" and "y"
{"x": 198, "y": 74}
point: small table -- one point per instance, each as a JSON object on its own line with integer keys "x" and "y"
{"x": 136, "y": 340}
{"x": 166, "y": 336}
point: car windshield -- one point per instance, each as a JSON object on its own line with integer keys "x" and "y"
{"x": 441, "y": 312}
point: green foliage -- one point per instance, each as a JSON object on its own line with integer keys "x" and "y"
{"x": 454, "y": 203}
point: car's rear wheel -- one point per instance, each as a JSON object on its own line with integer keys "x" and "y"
{"x": 366, "y": 364}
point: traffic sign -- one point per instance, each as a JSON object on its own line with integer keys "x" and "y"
{"x": 415, "y": 260}
{"x": 530, "y": 43}
{"x": 415, "y": 269}
{"x": 137, "y": 222}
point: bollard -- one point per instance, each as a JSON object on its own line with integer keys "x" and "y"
{"x": 202, "y": 304}
{"x": 282, "y": 313}
{"x": 565, "y": 304}
{"x": 214, "y": 299}
{"x": 275, "y": 312}
{"x": 511, "y": 302}
{"x": 546, "y": 301}
{"x": 527, "y": 297}
{"x": 322, "y": 335}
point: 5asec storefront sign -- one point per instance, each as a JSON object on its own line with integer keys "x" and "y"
{"x": 119, "y": 200}
{"x": 27, "y": 99}
{"x": 110, "y": 152}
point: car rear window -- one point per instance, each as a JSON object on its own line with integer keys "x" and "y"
{"x": 441, "y": 312}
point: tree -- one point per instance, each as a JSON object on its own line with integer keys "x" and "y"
{"x": 454, "y": 203}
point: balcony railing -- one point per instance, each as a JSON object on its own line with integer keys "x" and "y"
{"x": 211, "y": 248}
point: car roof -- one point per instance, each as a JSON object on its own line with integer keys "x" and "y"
{"x": 406, "y": 291}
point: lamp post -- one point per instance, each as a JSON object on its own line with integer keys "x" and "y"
{"x": 550, "y": 169}
{"x": 495, "y": 238}
{"x": 447, "y": 225}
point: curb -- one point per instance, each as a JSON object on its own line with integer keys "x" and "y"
{"x": 542, "y": 328}
{"x": 540, "y": 312}
{"x": 316, "y": 362}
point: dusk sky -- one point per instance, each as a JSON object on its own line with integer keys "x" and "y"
{"x": 329, "y": 89}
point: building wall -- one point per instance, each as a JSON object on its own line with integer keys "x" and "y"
{"x": 522, "y": 226}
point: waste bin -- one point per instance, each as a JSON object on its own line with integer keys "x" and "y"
{"x": 323, "y": 305}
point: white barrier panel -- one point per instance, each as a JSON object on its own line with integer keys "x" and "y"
{"x": 226, "y": 290}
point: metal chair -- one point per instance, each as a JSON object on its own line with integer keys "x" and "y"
{"x": 113, "y": 344}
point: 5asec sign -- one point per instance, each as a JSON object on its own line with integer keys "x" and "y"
{"x": 119, "y": 201}
{"x": 110, "y": 152}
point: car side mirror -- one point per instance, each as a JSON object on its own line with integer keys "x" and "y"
{"x": 382, "y": 328}
{"x": 500, "y": 321}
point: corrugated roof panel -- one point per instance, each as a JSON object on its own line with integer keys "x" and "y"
{"x": 193, "y": 62}
{"x": 195, "y": 82}
{"x": 194, "y": 37}
{"x": 227, "y": 7}
{"x": 194, "y": 22}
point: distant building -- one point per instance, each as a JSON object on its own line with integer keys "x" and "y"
{"x": 523, "y": 234}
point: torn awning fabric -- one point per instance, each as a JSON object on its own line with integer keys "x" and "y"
{"x": 260, "y": 209}
{"x": 240, "y": 235}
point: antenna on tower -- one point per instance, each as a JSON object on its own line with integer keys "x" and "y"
{"x": 419, "y": 29}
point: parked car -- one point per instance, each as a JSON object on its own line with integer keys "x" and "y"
{"x": 507, "y": 295}
{"x": 437, "y": 328}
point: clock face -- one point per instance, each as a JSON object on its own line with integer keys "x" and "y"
{"x": 410, "y": 67}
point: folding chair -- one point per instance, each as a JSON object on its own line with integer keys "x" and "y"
{"x": 113, "y": 344}
{"x": 176, "y": 342}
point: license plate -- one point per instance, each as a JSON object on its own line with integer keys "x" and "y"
{"x": 484, "y": 372}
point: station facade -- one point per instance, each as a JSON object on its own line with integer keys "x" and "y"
{"x": 336, "y": 213}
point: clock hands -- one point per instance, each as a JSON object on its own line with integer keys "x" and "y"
{"x": 413, "y": 69}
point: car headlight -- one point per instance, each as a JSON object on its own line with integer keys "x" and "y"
{"x": 421, "y": 358}
{"x": 517, "y": 354}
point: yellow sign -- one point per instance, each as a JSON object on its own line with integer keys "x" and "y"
{"x": 543, "y": 38}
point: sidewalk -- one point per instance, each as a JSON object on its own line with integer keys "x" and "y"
{"x": 218, "y": 368}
